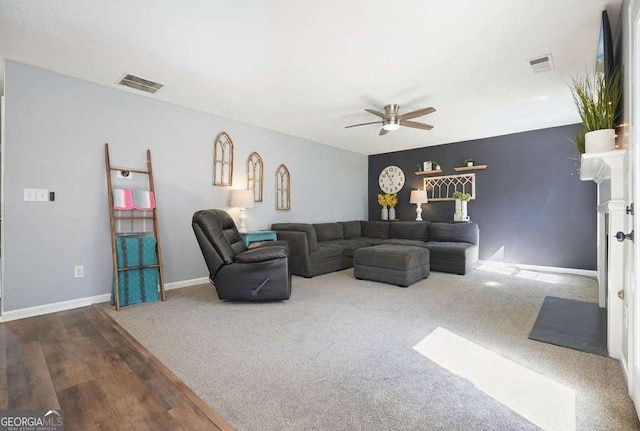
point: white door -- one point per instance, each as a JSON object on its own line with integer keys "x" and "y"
{"x": 631, "y": 331}
{"x": 2, "y": 135}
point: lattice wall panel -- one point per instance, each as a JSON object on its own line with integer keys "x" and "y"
{"x": 441, "y": 188}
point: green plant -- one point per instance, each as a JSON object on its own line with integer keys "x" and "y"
{"x": 578, "y": 140}
{"x": 469, "y": 160}
{"x": 461, "y": 195}
{"x": 596, "y": 99}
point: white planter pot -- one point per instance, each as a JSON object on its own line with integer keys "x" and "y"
{"x": 384, "y": 214}
{"x": 464, "y": 216}
{"x": 457, "y": 215}
{"x": 599, "y": 141}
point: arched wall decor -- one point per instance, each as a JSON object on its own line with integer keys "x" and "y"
{"x": 283, "y": 185}
{"x": 222, "y": 160}
{"x": 255, "y": 169}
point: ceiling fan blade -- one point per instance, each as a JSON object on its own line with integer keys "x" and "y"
{"x": 383, "y": 132}
{"x": 371, "y": 111}
{"x": 417, "y": 113}
{"x": 416, "y": 125}
{"x": 363, "y": 124}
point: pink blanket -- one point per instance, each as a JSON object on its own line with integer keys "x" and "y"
{"x": 124, "y": 199}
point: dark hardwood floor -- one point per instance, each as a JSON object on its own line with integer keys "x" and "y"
{"x": 82, "y": 362}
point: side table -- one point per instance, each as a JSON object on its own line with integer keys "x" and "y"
{"x": 257, "y": 236}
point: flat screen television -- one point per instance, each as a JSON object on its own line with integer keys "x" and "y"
{"x": 604, "y": 59}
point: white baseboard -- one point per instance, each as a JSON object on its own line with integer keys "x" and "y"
{"x": 54, "y": 307}
{"x": 625, "y": 370}
{"x": 553, "y": 269}
{"x": 186, "y": 283}
{"x": 39, "y": 310}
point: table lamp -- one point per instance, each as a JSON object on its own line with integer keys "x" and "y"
{"x": 418, "y": 197}
{"x": 242, "y": 199}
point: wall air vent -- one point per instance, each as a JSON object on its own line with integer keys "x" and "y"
{"x": 141, "y": 84}
{"x": 541, "y": 64}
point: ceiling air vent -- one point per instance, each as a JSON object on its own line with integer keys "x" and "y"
{"x": 541, "y": 64}
{"x": 141, "y": 84}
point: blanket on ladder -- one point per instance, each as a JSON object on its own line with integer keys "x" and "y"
{"x": 136, "y": 285}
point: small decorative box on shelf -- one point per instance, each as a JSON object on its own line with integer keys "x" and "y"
{"x": 257, "y": 236}
{"x": 433, "y": 171}
{"x": 470, "y": 168}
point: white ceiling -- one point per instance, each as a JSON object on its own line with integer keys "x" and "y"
{"x": 309, "y": 68}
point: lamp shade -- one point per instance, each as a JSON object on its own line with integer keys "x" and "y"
{"x": 242, "y": 198}
{"x": 418, "y": 197}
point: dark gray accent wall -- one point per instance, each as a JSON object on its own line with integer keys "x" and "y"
{"x": 530, "y": 204}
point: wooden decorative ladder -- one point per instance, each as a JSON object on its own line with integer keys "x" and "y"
{"x": 113, "y": 217}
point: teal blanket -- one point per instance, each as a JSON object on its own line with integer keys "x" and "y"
{"x": 136, "y": 285}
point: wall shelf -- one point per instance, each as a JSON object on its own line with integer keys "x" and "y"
{"x": 439, "y": 171}
{"x": 470, "y": 168}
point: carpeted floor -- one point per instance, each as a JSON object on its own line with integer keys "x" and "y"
{"x": 340, "y": 355}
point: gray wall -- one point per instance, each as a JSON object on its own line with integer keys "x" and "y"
{"x": 56, "y": 127}
{"x": 530, "y": 204}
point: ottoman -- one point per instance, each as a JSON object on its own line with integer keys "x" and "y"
{"x": 394, "y": 264}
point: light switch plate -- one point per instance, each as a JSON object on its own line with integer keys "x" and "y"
{"x": 42, "y": 195}
{"x": 36, "y": 195}
{"x": 29, "y": 195}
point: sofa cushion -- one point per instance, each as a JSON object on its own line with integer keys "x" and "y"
{"x": 327, "y": 258}
{"x": 371, "y": 241}
{"x": 416, "y": 230}
{"x": 407, "y": 242}
{"x": 312, "y": 239}
{"x": 329, "y": 231}
{"x": 454, "y": 232}
{"x": 351, "y": 229}
{"x": 375, "y": 229}
{"x": 348, "y": 246}
{"x": 327, "y": 251}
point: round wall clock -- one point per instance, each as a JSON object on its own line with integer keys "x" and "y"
{"x": 391, "y": 179}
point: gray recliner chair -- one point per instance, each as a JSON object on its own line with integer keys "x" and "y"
{"x": 258, "y": 273}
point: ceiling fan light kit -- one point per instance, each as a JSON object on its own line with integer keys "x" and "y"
{"x": 391, "y": 120}
{"x": 390, "y": 125}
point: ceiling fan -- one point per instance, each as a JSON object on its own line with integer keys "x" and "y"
{"x": 392, "y": 121}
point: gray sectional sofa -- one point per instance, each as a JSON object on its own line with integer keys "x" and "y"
{"x": 326, "y": 247}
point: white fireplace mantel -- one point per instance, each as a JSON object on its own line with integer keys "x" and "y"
{"x": 598, "y": 167}
{"x": 607, "y": 170}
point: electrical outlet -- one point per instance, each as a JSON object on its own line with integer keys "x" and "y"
{"x": 78, "y": 271}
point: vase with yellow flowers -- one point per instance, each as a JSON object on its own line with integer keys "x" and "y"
{"x": 382, "y": 200}
{"x": 388, "y": 200}
{"x": 392, "y": 200}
